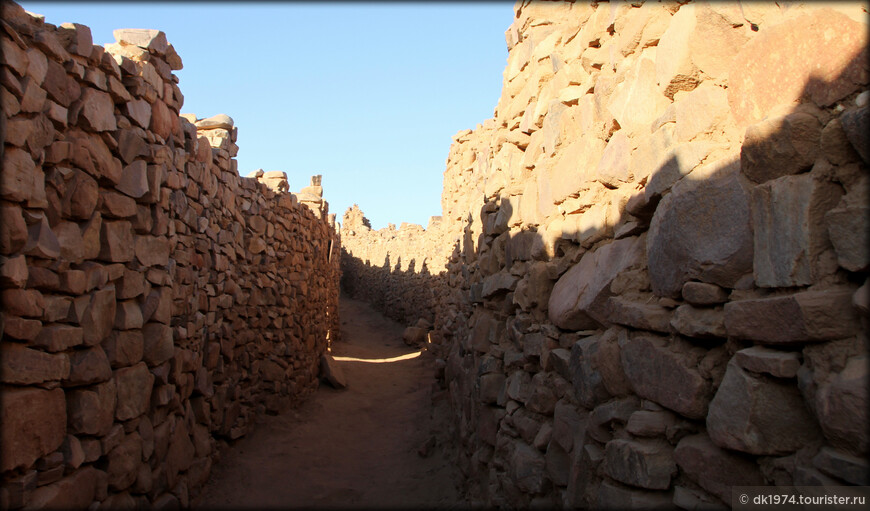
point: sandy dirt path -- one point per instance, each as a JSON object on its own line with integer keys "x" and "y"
{"x": 351, "y": 448}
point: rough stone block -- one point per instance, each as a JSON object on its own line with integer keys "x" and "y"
{"x": 99, "y": 316}
{"x": 699, "y": 322}
{"x": 151, "y": 250}
{"x": 701, "y": 293}
{"x": 789, "y": 231}
{"x": 75, "y": 491}
{"x": 713, "y": 468}
{"x": 759, "y": 415}
{"x": 640, "y": 315}
{"x": 58, "y": 337}
{"x": 644, "y": 463}
{"x": 579, "y": 297}
{"x": 97, "y": 110}
{"x": 801, "y": 317}
{"x": 665, "y": 372}
{"x": 32, "y": 424}
{"x": 134, "y": 179}
{"x": 842, "y": 407}
{"x": 123, "y": 462}
{"x": 758, "y": 359}
{"x": 87, "y": 366}
{"x": 134, "y": 386}
{"x": 128, "y": 315}
{"x": 116, "y": 241}
{"x": 20, "y": 365}
{"x": 847, "y": 228}
{"x": 91, "y": 409}
{"x": 647, "y": 423}
{"x": 528, "y": 468}
{"x": 701, "y": 231}
{"x": 795, "y": 59}
{"x": 849, "y": 468}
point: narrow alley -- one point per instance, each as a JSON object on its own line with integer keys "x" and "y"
{"x": 356, "y": 447}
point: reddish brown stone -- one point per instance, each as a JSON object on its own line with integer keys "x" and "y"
{"x": 13, "y": 230}
{"x": 60, "y": 86}
{"x": 181, "y": 450}
{"x": 116, "y": 205}
{"x": 134, "y": 179}
{"x": 799, "y": 58}
{"x": 76, "y": 491}
{"x": 32, "y": 424}
{"x": 99, "y": 316}
{"x": 91, "y": 237}
{"x": 116, "y": 241}
{"x": 800, "y": 317}
{"x": 22, "y": 302}
{"x": 162, "y": 119}
{"x": 131, "y": 285}
{"x": 81, "y": 196}
{"x": 20, "y": 365}
{"x": 131, "y": 144}
{"x": 20, "y": 328}
{"x": 98, "y": 110}
{"x": 139, "y": 111}
{"x": 123, "y": 348}
{"x": 128, "y": 315}
{"x": 16, "y": 180}
{"x": 152, "y": 251}
{"x": 88, "y": 366}
{"x": 69, "y": 236}
{"x": 157, "y": 343}
{"x": 157, "y": 306}
{"x": 76, "y": 38}
{"x": 124, "y": 461}
{"x": 13, "y": 271}
{"x": 41, "y": 241}
{"x": 58, "y": 337}
{"x": 42, "y": 279}
{"x": 134, "y": 391}
{"x": 89, "y": 153}
{"x": 91, "y": 409}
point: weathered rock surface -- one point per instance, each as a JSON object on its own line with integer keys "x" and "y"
{"x": 707, "y": 239}
{"x": 801, "y": 317}
{"x": 713, "y": 468}
{"x": 664, "y": 372}
{"x": 33, "y": 424}
{"x": 759, "y": 415}
{"x": 643, "y": 463}
{"x": 579, "y": 296}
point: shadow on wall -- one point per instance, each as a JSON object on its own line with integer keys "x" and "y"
{"x": 724, "y": 281}
{"x": 407, "y": 296}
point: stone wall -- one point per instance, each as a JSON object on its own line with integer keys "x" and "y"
{"x": 154, "y": 302}
{"x": 659, "y": 288}
{"x": 399, "y": 271}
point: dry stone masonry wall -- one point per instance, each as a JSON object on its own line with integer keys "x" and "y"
{"x": 154, "y": 302}
{"x": 658, "y": 285}
{"x": 399, "y": 271}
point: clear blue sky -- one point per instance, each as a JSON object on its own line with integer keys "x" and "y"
{"x": 366, "y": 94}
